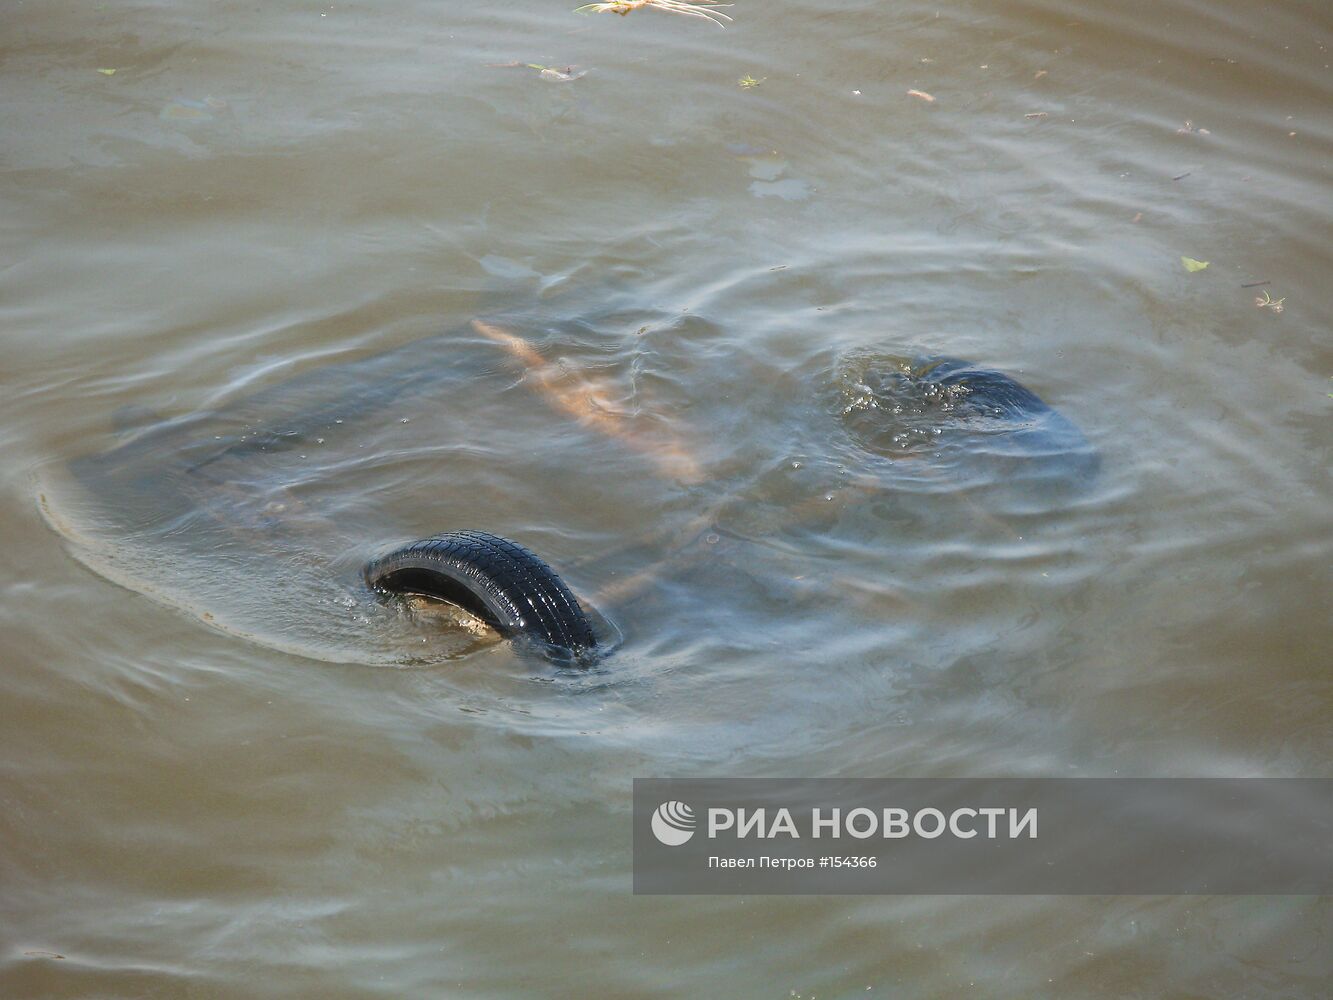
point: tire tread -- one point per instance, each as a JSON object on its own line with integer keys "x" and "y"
{"x": 530, "y": 597}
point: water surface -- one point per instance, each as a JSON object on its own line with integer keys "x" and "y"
{"x": 228, "y": 772}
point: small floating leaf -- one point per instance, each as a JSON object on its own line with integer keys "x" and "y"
{"x": 107, "y": 72}
{"x": 928, "y": 98}
{"x": 749, "y": 83}
{"x": 1193, "y": 265}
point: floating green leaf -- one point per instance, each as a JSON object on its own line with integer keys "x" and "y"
{"x": 1193, "y": 265}
{"x": 107, "y": 72}
{"x": 749, "y": 83}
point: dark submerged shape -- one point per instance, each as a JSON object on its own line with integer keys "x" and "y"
{"x": 220, "y": 512}
{"x": 498, "y": 581}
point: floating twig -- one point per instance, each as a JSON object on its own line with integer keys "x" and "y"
{"x": 689, "y": 8}
{"x": 1267, "y": 301}
{"x": 1255, "y": 284}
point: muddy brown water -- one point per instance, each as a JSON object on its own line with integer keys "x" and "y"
{"x": 238, "y": 284}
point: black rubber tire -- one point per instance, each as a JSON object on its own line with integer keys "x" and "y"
{"x": 499, "y": 581}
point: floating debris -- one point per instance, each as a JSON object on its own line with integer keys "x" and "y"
{"x": 921, "y": 94}
{"x": 1267, "y": 301}
{"x": 558, "y": 75}
{"x": 1189, "y": 129}
{"x": 1037, "y": 114}
{"x": 545, "y": 72}
{"x": 107, "y": 72}
{"x": 747, "y": 82}
{"x": 696, "y": 8}
{"x": 1193, "y": 265}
